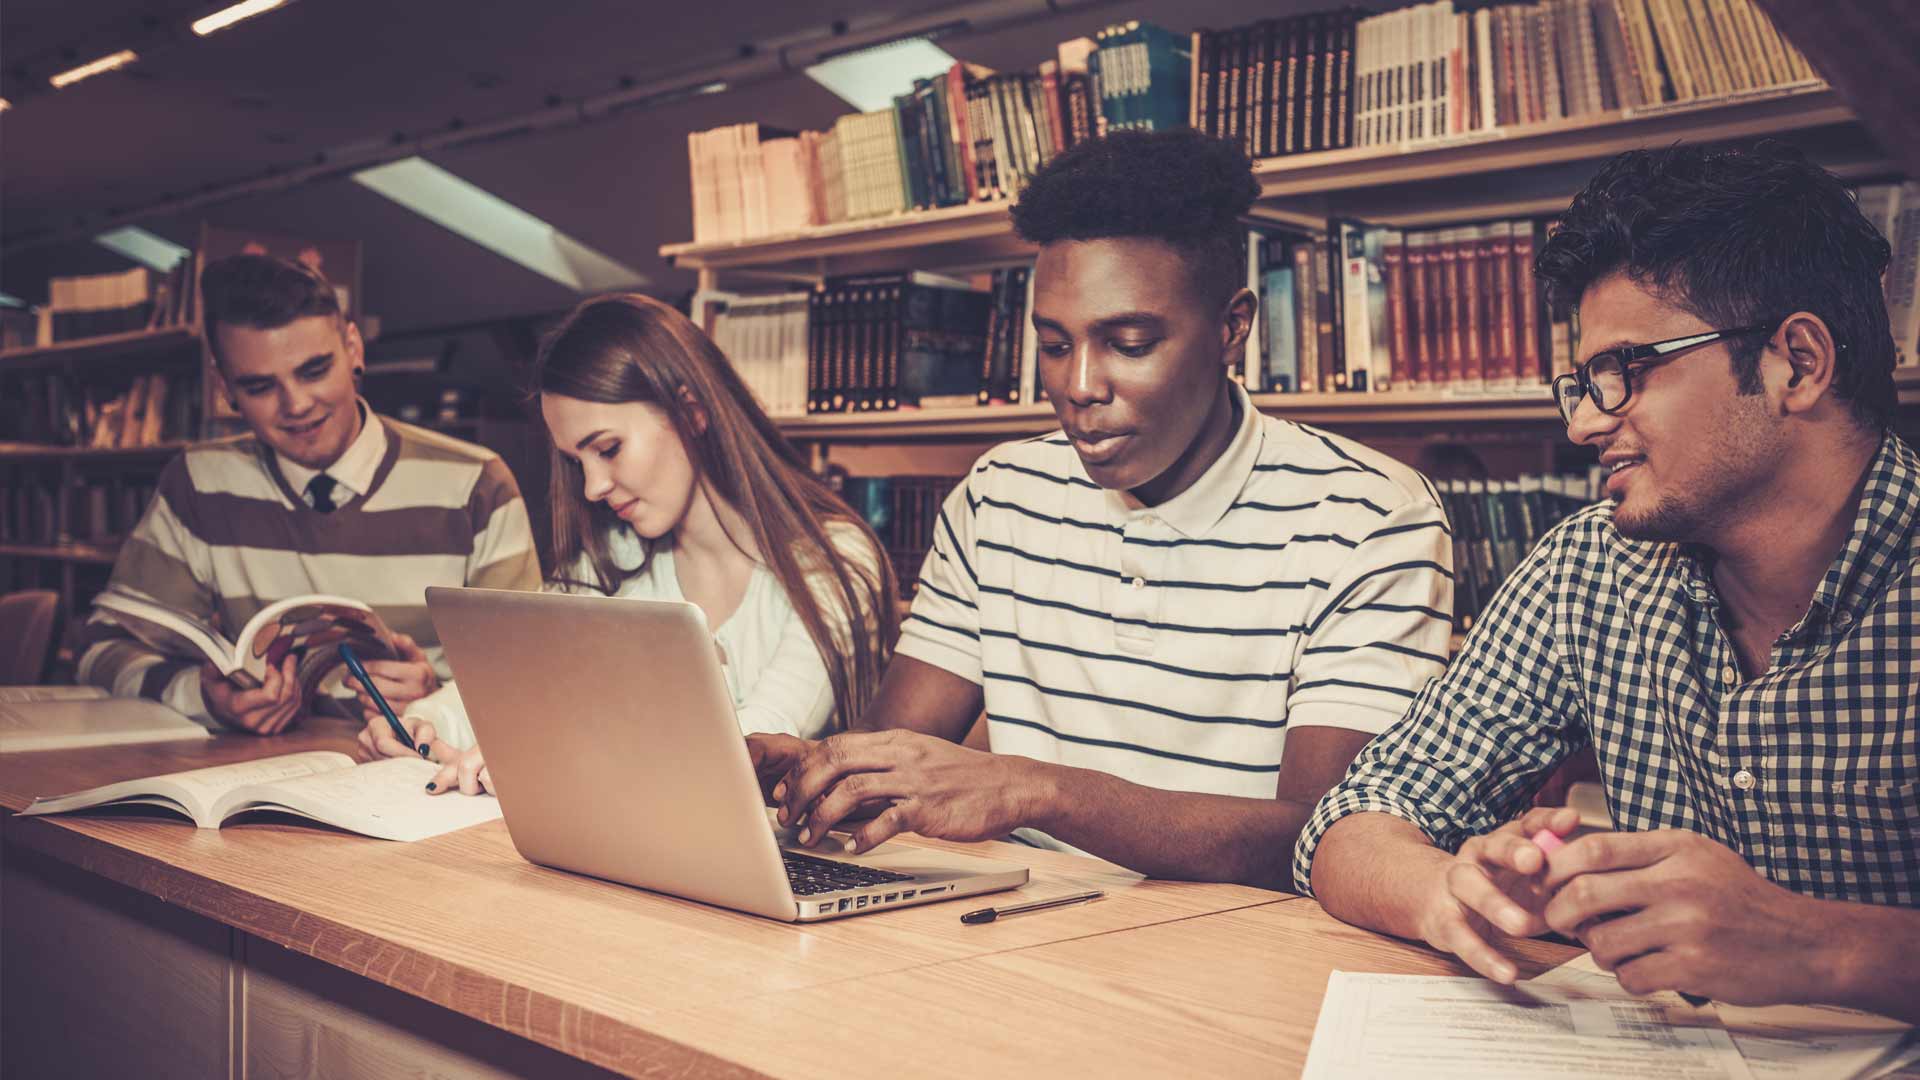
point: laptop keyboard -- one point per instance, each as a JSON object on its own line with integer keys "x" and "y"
{"x": 810, "y": 876}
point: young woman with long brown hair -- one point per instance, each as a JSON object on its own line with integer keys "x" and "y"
{"x": 670, "y": 482}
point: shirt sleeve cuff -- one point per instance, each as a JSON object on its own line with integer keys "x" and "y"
{"x": 448, "y": 715}
{"x": 962, "y": 662}
{"x": 1340, "y": 803}
{"x": 1369, "y": 718}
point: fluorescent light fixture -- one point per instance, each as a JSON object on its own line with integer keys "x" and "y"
{"x": 226, "y": 17}
{"x": 97, "y": 67}
{"x": 870, "y": 78}
{"x": 5, "y": 104}
{"x": 12, "y": 301}
{"x": 143, "y": 247}
{"x": 497, "y": 225}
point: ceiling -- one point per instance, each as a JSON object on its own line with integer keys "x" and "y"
{"x": 338, "y": 77}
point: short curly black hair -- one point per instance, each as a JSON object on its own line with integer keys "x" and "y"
{"x": 1182, "y": 187}
{"x": 1737, "y": 236}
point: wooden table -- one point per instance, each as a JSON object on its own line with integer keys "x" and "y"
{"x": 134, "y": 945}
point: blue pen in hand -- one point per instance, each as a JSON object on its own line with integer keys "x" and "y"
{"x": 386, "y": 710}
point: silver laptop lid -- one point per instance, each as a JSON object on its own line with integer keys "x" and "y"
{"x": 611, "y": 736}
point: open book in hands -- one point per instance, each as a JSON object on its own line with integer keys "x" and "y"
{"x": 385, "y": 799}
{"x": 308, "y": 628}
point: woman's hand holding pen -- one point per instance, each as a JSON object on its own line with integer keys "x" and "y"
{"x": 377, "y": 740}
{"x": 460, "y": 770}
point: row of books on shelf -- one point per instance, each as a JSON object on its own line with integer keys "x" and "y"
{"x": 56, "y": 408}
{"x": 97, "y": 510}
{"x": 903, "y": 512}
{"x": 1894, "y": 209}
{"x": 97, "y": 305}
{"x": 1496, "y": 522}
{"x": 1427, "y": 72}
{"x": 971, "y": 135}
{"x": 1356, "y": 308}
{"x": 902, "y": 340}
{"x": 1367, "y": 308}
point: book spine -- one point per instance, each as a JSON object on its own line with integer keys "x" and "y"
{"x": 1394, "y": 254}
{"x": 1527, "y": 298}
{"x": 1306, "y": 316}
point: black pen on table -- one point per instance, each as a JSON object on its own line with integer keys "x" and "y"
{"x": 987, "y": 915}
{"x": 386, "y": 710}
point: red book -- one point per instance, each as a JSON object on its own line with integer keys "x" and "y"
{"x": 1526, "y": 295}
{"x": 1452, "y": 321}
{"x": 1473, "y": 308}
{"x": 1419, "y": 332}
{"x": 1501, "y": 360}
{"x": 1394, "y": 255}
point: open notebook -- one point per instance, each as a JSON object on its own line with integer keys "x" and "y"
{"x": 385, "y": 799}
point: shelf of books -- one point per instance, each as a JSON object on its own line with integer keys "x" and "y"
{"x": 92, "y": 554}
{"x": 87, "y": 351}
{"x": 159, "y": 451}
{"x": 1532, "y": 406}
{"x": 977, "y": 233}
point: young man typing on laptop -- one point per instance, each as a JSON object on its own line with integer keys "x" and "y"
{"x": 1154, "y": 602}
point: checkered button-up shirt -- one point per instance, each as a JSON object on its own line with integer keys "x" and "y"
{"x": 1811, "y": 771}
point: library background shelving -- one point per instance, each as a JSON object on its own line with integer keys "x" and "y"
{"x": 73, "y": 565}
{"x": 1516, "y": 171}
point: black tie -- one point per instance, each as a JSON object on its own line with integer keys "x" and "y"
{"x": 320, "y": 490}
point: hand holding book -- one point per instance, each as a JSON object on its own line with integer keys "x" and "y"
{"x": 267, "y": 709}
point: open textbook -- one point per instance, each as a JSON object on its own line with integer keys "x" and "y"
{"x": 66, "y": 717}
{"x": 309, "y": 628}
{"x": 385, "y": 799}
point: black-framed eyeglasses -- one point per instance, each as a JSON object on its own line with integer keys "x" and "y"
{"x": 1606, "y": 379}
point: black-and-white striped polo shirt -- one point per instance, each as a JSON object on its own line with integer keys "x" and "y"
{"x": 1304, "y": 579}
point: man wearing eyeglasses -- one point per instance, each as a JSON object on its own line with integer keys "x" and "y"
{"x": 1736, "y": 631}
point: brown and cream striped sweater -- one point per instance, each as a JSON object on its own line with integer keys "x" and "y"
{"x": 225, "y": 535}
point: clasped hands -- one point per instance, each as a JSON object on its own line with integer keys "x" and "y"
{"x": 1662, "y": 910}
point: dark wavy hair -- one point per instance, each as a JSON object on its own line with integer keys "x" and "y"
{"x": 1737, "y": 237}
{"x": 1182, "y": 187}
{"x": 633, "y": 348}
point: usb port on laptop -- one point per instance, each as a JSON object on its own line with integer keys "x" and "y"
{"x": 859, "y": 902}
{"x": 892, "y": 896}
{"x": 908, "y": 895}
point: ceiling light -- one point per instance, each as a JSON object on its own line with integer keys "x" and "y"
{"x": 143, "y": 247}
{"x": 9, "y": 300}
{"x": 497, "y": 225}
{"x": 226, "y": 17}
{"x": 5, "y": 104}
{"x": 85, "y": 71}
{"x": 869, "y": 79}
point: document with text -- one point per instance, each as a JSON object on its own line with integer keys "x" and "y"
{"x": 1447, "y": 1028}
{"x": 1783, "y": 1042}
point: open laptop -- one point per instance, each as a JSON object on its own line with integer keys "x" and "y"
{"x": 610, "y": 733}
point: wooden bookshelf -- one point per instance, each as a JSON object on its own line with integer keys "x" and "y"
{"x": 111, "y": 347}
{"x": 16, "y": 451}
{"x": 94, "y": 554}
{"x": 994, "y": 421}
{"x": 979, "y": 234}
{"x": 1406, "y": 408}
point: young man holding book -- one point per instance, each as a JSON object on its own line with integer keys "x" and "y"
{"x": 321, "y": 497}
{"x": 1737, "y": 632}
{"x": 1155, "y": 601}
